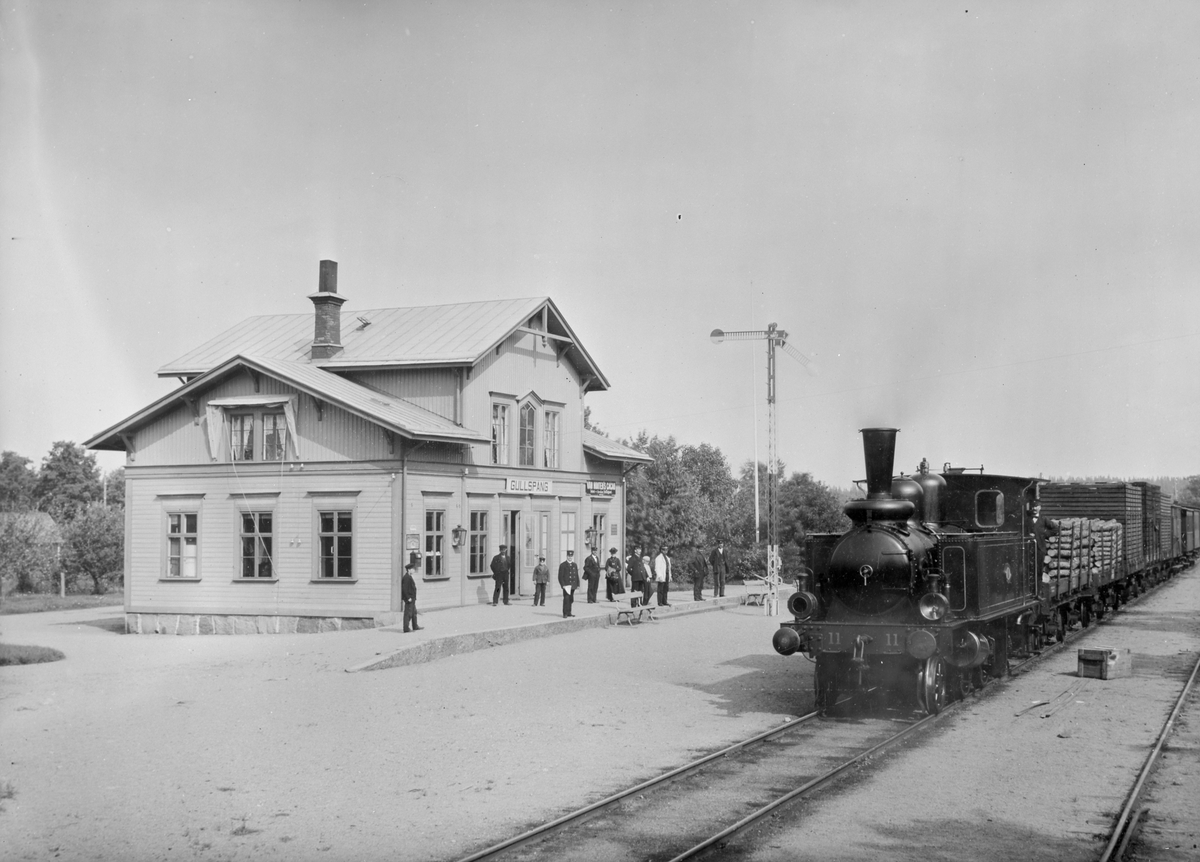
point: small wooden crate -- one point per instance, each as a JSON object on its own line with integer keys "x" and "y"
{"x": 1105, "y": 663}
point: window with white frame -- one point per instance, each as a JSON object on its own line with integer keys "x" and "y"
{"x": 528, "y": 432}
{"x": 566, "y": 533}
{"x": 241, "y": 436}
{"x": 275, "y": 437}
{"x": 478, "y": 547}
{"x": 499, "y": 434}
{"x": 335, "y": 544}
{"x": 435, "y": 542}
{"x": 550, "y": 440}
{"x": 183, "y": 545}
{"x": 257, "y": 545}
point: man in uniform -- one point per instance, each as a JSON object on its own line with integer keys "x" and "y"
{"x": 568, "y": 579}
{"x": 500, "y": 575}
{"x": 719, "y": 562}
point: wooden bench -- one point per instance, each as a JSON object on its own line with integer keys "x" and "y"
{"x": 761, "y": 589}
{"x": 628, "y": 614}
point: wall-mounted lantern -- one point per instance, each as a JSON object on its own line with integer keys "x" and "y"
{"x": 589, "y": 537}
{"x": 456, "y": 535}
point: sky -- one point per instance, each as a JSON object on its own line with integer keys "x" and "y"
{"x": 979, "y": 221}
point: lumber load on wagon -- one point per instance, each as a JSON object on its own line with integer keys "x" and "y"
{"x": 1084, "y": 552}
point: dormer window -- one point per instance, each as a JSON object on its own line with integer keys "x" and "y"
{"x": 252, "y": 428}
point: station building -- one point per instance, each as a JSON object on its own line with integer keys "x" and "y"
{"x": 305, "y": 457}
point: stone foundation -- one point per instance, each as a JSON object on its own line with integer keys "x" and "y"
{"x": 238, "y": 624}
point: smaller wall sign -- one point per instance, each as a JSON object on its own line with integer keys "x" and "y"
{"x": 528, "y": 486}
{"x": 601, "y": 489}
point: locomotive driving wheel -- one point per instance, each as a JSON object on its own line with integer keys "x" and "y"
{"x": 931, "y": 685}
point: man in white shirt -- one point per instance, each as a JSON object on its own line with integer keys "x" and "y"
{"x": 662, "y": 575}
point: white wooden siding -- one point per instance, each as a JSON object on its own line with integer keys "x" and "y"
{"x": 220, "y": 589}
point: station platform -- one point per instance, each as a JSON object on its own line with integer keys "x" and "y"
{"x": 453, "y": 631}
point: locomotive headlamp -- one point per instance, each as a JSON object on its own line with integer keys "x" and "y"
{"x": 802, "y": 604}
{"x": 785, "y": 641}
{"x": 933, "y": 606}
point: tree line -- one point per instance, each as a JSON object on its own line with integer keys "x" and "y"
{"x": 62, "y": 523}
{"x": 689, "y": 499}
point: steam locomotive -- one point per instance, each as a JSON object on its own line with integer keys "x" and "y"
{"x": 944, "y": 576}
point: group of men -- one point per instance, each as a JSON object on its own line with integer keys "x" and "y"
{"x": 643, "y": 579}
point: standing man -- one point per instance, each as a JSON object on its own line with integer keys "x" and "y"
{"x": 662, "y": 574}
{"x": 500, "y": 575}
{"x": 637, "y": 576}
{"x": 568, "y": 579}
{"x": 591, "y": 574}
{"x": 408, "y": 597}
{"x": 699, "y": 573}
{"x": 541, "y": 577}
{"x": 614, "y": 577}
{"x": 720, "y": 568}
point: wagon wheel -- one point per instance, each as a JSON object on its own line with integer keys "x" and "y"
{"x": 1101, "y": 607}
{"x": 1085, "y": 613}
{"x": 825, "y": 684}
{"x": 931, "y": 685}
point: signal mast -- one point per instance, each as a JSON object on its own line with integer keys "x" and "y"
{"x": 775, "y": 337}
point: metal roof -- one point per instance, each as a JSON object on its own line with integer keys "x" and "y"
{"x": 600, "y": 445}
{"x": 395, "y": 414}
{"x": 453, "y": 334}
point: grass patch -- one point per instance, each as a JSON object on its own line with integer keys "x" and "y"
{"x": 34, "y": 603}
{"x": 16, "y": 654}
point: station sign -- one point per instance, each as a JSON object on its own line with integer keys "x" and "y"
{"x": 601, "y": 489}
{"x": 528, "y": 486}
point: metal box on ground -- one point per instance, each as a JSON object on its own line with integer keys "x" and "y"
{"x": 1105, "y": 663}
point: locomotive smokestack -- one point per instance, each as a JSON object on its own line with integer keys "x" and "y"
{"x": 879, "y": 449}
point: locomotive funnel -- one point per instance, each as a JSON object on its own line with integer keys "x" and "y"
{"x": 879, "y": 448}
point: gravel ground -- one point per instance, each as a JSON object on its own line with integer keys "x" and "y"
{"x": 262, "y": 747}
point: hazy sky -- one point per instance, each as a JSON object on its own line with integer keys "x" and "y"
{"x": 981, "y": 220}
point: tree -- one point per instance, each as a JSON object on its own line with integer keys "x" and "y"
{"x": 1189, "y": 494}
{"x": 29, "y": 543}
{"x": 68, "y": 480}
{"x": 805, "y": 506}
{"x": 17, "y": 482}
{"x": 114, "y": 487}
{"x": 94, "y": 546}
{"x": 663, "y": 505}
{"x": 714, "y": 482}
{"x": 587, "y": 421}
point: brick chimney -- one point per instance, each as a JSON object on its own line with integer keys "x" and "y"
{"x": 327, "y": 338}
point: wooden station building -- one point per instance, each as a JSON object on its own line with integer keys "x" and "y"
{"x": 305, "y": 457}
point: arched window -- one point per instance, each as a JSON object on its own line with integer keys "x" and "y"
{"x": 528, "y": 418}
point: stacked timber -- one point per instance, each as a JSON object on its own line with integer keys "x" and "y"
{"x": 1068, "y": 554}
{"x": 1108, "y": 548}
{"x": 1083, "y": 552}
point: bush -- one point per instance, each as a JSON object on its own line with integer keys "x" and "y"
{"x": 29, "y": 544}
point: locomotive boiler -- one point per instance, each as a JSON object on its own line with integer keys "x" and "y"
{"x": 920, "y": 600}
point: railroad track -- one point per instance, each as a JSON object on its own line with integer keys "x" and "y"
{"x": 1132, "y": 813}
{"x": 694, "y": 810}
{"x": 684, "y": 813}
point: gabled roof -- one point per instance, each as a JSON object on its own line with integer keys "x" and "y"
{"x": 598, "y": 444}
{"x": 392, "y": 413}
{"x": 430, "y": 335}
